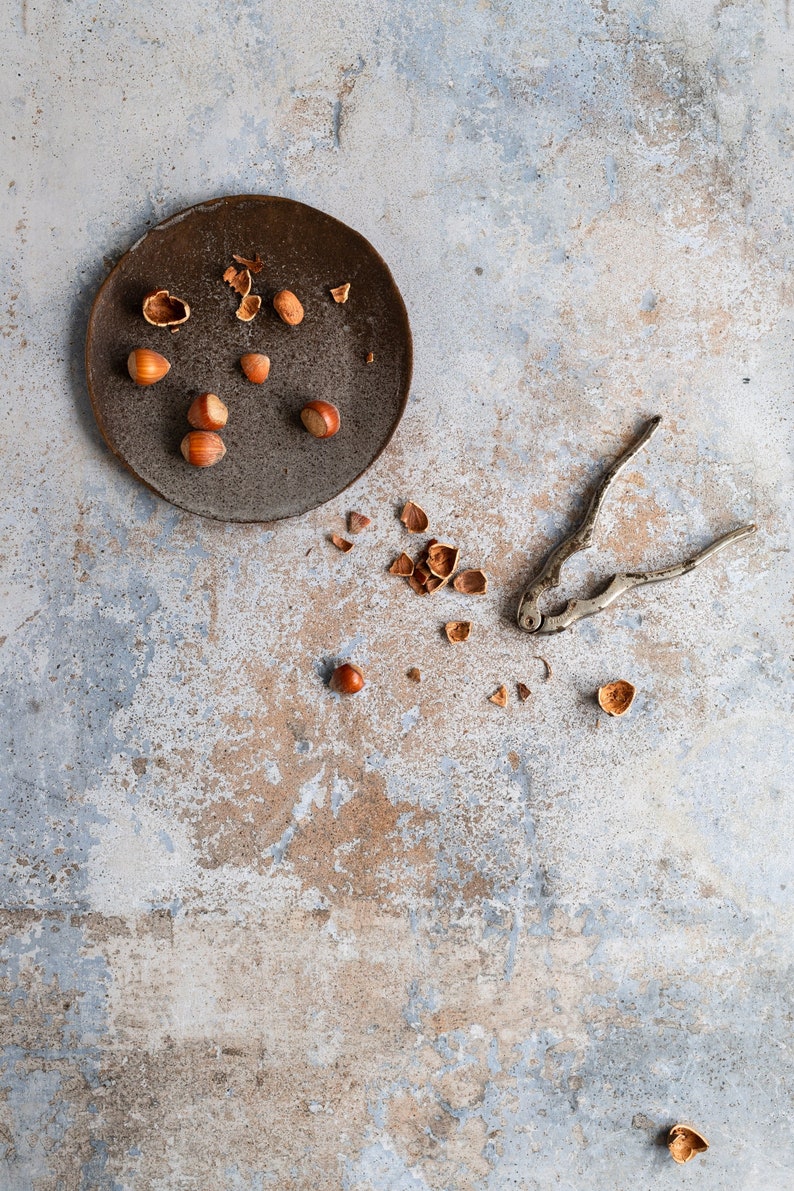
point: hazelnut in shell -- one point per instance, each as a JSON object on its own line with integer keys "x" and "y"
{"x": 208, "y": 413}
{"x": 146, "y": 367}
{"x": 256, "y": 367}
{"x": 320, "y": 418}
{"x": 346, "y": 679}
{"x": 202, "y": 448}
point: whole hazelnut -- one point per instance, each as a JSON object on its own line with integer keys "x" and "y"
{"x": 256, "y": 367}
{"x": 320, "y": 418}
{"x": 146, "y": 367}
{"x": 346, "y": 679}
{"x": 202, "y": 448}
{"x": 208, "y": 413}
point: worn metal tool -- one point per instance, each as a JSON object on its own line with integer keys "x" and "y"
{"x": 530, "y": 616}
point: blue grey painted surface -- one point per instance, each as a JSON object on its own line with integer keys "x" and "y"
{"x": 255, "y": 935}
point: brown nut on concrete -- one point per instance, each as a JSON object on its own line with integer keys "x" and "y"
{"x": 684, "y": 1143}
{"x": 471, "y": 582}
{"x": 346, "y": 679}
{"x": 616, "y": 697}
{"x": 288, "y": 308}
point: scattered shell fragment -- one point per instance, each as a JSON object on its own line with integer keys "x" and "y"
{"x": 523, "y": 691}
{"x": 341, "y": 543}
{"x": 404, "y": 565}
{"x": 418, "y": 587}
{"x": 249, "y": 307}
{"x": 549, "y": 670}
{"x": 340, "y": 292}
{"x": 684, "y": 1142}
{"x": 442, "y": 559}
{"x": 499, "y": 697}
{"x": 414, "y": 518}
{"x": 433, "y": 583}
{"x": 239, "y": 280}
{"x": 414, "y": 674}
{"x": 356, "y": 522}
{"x": 616, "y": 697}
{"x": 255, "y": 266}
{"x": 162, "y": 309}
{"x": 370, "y": 358}
{"x": 458, "y": 630}
{"x": 471, "y": 582}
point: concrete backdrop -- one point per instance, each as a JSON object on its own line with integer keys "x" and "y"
{"x": 257, "y": 937}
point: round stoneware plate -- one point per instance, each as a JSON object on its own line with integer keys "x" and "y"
{"x": 272, "y": 468}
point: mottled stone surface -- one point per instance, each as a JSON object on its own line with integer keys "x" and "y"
{"x": 255, "y": 936}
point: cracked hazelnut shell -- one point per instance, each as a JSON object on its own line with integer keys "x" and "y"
{"x": 162, "y": 309}
{"x": 616, "y": 697}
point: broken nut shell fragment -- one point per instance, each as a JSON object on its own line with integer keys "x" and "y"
{"x": 321, "y": 419}
{"x": 256, "y": 367}
{"x": 442, "y": 559}
{"x": 255, "y": 266}
{"x": 239, "y": 280}
{"x": 208, "y": 413}
{"x": 346, "y": 679}
{"x": 414, "y": 674}
{"x": 146, "y": 367}
{"x": 403, "y": 566}
{"x": 162, "y": 309}
{"x": 340, "y": 292}
{"x": 684, "y": 1143}
{"x": 457, "y": 630}
{"x": 499, "y": 697}
{"x": 248, "y": 308}
{"x": 202, "y": 448}
{"x": 414, "y": 518}
{"x": 356, "y": 522}
{"x": 341, "y": 543}
{"x": 523, "y": 691}
{"x": 288, "y": 308}
{"x": 471, "y": 582}
{"x": 616, "y": 697}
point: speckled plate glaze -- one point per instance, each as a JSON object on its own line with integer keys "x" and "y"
{"x": 272, "y": 468}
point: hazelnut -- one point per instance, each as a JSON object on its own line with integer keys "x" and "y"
{"x": 471, "y": 582}
{"x": 248, "y": 308}
{"x": 239, "y": 280}
{"x": 340, "y": 292}
{"x": 616, "y": 697}
{"x": 208, "y": 413}
{"x": 684, "y": 1142}
{"x": 162, "y": 309}
{"x": 457, "y": 630}
{"x": 346, "y": 679}
{"x": 202, "y": 448}
{"x": 146, "y": 367}
{"x": 288, "y": 308}
{"x": 320, "y": 418}
{"x": 256, "y": 367}
{"x": 414, "y": 518}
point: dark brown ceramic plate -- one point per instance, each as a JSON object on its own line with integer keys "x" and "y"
{"x": 273, "y": 468}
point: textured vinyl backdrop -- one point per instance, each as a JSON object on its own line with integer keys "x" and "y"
{"x": 257, "y": 937}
